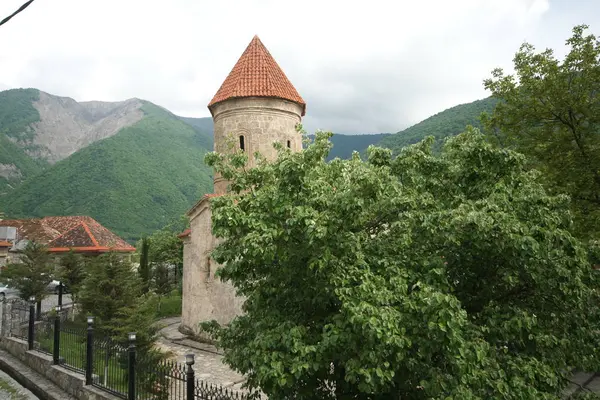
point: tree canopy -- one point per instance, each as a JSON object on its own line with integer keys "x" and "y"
{"x": 112, "y": 293}
{"x": 550, "y": 111}
{"x": 32, "y": 273}
{"x": 425, "y": 276}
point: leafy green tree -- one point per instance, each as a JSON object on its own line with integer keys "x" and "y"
{"x": 111, "y": 292}
{"x": 425, "y": 276}
{"x": 71, "y": 272}
{"x": 32, "y": 274}
{"x": 166, "y": 259}
{"x": 144, "y": 268}
{"x": 550, "y": 111}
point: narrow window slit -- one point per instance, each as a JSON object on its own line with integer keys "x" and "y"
{"x": 289, "y": 144}
{"x": 242, "y": 143}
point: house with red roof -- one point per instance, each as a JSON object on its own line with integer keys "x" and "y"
{"x": 83, "y": 235}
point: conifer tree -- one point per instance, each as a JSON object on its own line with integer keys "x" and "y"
{"x": 32, "y": 274}
{"x": 112, "y": 293}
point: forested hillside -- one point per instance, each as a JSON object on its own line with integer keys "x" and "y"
{"x": 16, "y": 115}
{"x": 345, "y": 145}
{"x": 441, "y": 125}
{"x": 133, "y": 183}
{"x": 138, "y": 178}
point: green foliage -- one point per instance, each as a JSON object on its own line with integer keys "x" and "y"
{"x": 17, "y": 112}
{"x": 428, "y": 276}
{"x": 32, "y": 274}
{"x": 165, "y": 258}
{"x": 344, "y": 145}
{"x": 133, "y": 183}
{"x": 71, "y": 272}
{"x": 111, "y": 292}
{"x": 447, "y": 123}
{"x": 204, "y": 130}
{"x": 551, "y": 113}
{"x": 169, "y": 306}
{"x": 144, "y": 269}
{"x": 16, "y": 115}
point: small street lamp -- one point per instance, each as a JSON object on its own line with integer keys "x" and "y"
{"x": 89, "y": 357}
{"x": 190, "y": 381}
{"x": 131, "y": 372}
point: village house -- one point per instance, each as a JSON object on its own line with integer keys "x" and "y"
{"x": 82, "y": 235}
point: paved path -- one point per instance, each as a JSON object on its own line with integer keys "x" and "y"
{"x": 208, "y": 366}
{"x": 11, "y": 390}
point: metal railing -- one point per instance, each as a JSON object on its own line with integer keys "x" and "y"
{"x": 107, "y": 365}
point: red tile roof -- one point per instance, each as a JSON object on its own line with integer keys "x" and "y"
{"x": 256, "y": 74}
{"x": 184, "y": 233}
{"x": 61, "y": 234}
{"x": 5, "y": 244}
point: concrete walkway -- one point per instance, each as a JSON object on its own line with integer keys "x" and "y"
{"x": 209, "y": 365}
{"x": 12, "y": 390}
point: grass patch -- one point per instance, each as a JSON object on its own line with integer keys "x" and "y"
{"x": 169, "y": 306}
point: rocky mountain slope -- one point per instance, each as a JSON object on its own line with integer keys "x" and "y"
{"x": 66, "y": 126}
{"x": 134, "y": 182}
{"x": 38, "y": 129}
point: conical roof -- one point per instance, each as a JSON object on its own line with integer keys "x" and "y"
{"x": 256, "y": 74}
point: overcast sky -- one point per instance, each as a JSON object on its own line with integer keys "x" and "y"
{"x": 361, "y": 66}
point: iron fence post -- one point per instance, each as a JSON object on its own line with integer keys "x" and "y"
{"x": 189, "y": 379}
{"x": 56, "y": 347}
{"x": 89, "y": 355}
{"x": 131, "y": 367}
{"x": 31, "y": 332}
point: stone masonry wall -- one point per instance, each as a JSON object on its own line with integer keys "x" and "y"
{"x": 261, "y": 121}
{"x": 205, "y": 297}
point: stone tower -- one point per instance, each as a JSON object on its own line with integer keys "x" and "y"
{"x": 255, "y": 106}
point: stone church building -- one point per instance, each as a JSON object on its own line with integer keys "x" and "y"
{"x": 255, "y": 106}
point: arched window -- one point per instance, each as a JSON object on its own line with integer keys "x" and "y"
{"x": 242, "y": 143}
{"x": 289, "y": 144}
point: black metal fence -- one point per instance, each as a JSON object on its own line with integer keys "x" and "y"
{"x": 110, "y": 366}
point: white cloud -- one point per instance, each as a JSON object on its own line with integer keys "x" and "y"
{"x": 362, "y": 66}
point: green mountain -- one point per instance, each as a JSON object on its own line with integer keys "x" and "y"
{"x": 132, "y": 165}
{"x": 16, "y": 116}
{"x": 134, "y": 182}
{"x": 344, "y": 145}
{"x": 449, "y": 122}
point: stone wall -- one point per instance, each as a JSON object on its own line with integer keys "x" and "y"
{"x": 261, "y": 122}
{"x": 205, "y": 297}
{"x": 71, "y": 382}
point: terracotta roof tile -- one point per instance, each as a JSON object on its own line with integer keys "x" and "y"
{"x": 5, "y": 244}
{"x": 69, "y": 232}
{"x": 257, "y": 74}
{"x": 185, "y": 233}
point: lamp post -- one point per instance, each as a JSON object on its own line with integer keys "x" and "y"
{"x": 131, "y": 365}
{"x": 89, "y": 355}
{"x": 30, "y": 332}
{"x": 56, "y": 348}
{"x": 189, "y": 379}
